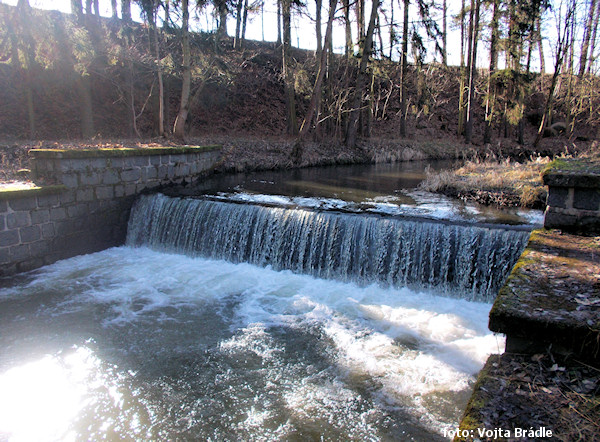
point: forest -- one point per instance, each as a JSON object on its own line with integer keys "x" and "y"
{"x": 528, "y": 72}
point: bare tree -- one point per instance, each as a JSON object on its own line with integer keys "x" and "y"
{"x": 290, "y": 94}
{"x": 588, "y": 31}
{"x": 472, "y": 67}
{"x": 179, "y": 127}
{"x": 361, "y": 81}
{"x": 561, "y": 46}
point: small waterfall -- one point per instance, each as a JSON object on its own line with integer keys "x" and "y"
{"x": 467, "y": 261}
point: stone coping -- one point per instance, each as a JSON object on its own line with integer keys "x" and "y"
{"x": 572, "y": 172}
{"x": 552, "y": 296}
{"x": 118, "y": 152}
{"x": 12, "y": 194}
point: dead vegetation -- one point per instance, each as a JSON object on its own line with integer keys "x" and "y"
{"x": 504, "y": 183}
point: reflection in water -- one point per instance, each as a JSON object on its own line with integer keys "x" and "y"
{"x": 390, "y": 188}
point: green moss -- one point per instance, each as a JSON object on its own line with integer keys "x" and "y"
{"x": 571, "y": 166}
{"x": 10, "y": 194}
{"x": 119, "y": 152}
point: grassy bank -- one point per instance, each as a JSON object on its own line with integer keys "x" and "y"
{"x": 502, "y": 183}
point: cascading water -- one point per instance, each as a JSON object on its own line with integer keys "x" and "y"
{"x": 465, "y": 260}
{"x": 134, "y": 343}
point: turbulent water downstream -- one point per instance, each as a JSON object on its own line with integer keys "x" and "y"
{"x": 226, "y": 321}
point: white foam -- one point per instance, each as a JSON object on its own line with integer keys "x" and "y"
{"x": 412, "y": 343}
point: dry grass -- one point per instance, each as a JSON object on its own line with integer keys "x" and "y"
{"x": 503, "y": 182}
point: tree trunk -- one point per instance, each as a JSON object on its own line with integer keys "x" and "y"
{"x": 238, "y": 24}
{"x": 222, "y": 10}
{"x": 290, "y": 95}
{"x": 348, "y": 46}
{"x": 88, "y": 7}
{"x": 360, "y": 19}
{"x": 77, "y": 9}
{"x": 461, "y": 88}
{"x": 126, "y": 11}
{"x": 314, "y": 99}
{"x": 159, "y": 73}
{"x": 279, "y": 22}
{"x": 319, "y": 6}
{"x": 540, "y": 45}
{"x": 444, "y": 33}
{"x": 594, "y": 33}
{"x": 84, "y": 84}
{"x": 586, "y": 38}
{"x": 244, "y": 21}
{"x": 179, "y": 128}
{"x": 167, "y": 8}
{"x": 113, "y": 5}
{"x": 491, "y": 91}
{"x": 472, "y": 69}
{"x": 361, "y": 81}
{"x": 97, "y": 8}
{"x": 560, "y": 53}
{"x": 23, "y": 11}
{"x": 403, "y": 71}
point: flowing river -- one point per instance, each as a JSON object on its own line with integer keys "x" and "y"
{"x": 255, "y": 315}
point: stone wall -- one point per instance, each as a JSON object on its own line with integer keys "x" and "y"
{"x": 573, "y": 196}
{"x": 84, "y": 200}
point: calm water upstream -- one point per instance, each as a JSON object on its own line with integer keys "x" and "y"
{"x": 250, "y": 334}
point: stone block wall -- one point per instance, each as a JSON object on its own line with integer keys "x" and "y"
{"x": 84, "y": 200}
{"x": 573, "y": 196}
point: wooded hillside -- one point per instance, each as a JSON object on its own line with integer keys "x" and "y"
{"x": 71, "y": 76}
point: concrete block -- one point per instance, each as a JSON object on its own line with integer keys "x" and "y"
{"x": 81, "y": 165}
{"x": 23, "y": 203}
{"x": 140, "y": 161}
{"x": 48, "y": 200}
{"x": 9, "y": 238}
{"x": 587, "y": 199}
{"x": 58, "y": 214}
{"x": 71, "y": 180}
{"x": 105, "y": 192}
{"x": 130, "y": 175}
{"x": 110, "y": 176}
{"x": 84, "y": 195}
{"x": 67, "y": 197}
{"x": 30, "y": 234}
{"x": 4, "y": 255}
{"x": 20, "y": 252}
{"x": 151, "y": 173}
{"x": 119, "y": 191}
{"x": 89, "y": 179}
{"x": 48, "y": 230}
{"x": 40, "y": 216}
{"x": 77, "y": 210}
{"x": 18, "y": 219}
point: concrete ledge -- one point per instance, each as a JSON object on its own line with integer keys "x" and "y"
{"x": 572, "y": 172}
{"x": 120, "y": 152}
{"x": 11, "y": 194}
{"x": 552, "y": 297}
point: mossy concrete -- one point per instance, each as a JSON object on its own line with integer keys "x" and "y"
{"x": 552, "y": 297}
{"x": 118, "y": 152}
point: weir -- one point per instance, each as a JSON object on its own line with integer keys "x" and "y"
{"x": 467, "y": 261}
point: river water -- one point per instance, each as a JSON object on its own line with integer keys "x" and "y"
{"x": 155, "y": 341}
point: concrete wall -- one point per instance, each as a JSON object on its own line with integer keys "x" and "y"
{"x": 573, "y": 196}
{"x": 84, "y": 200}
